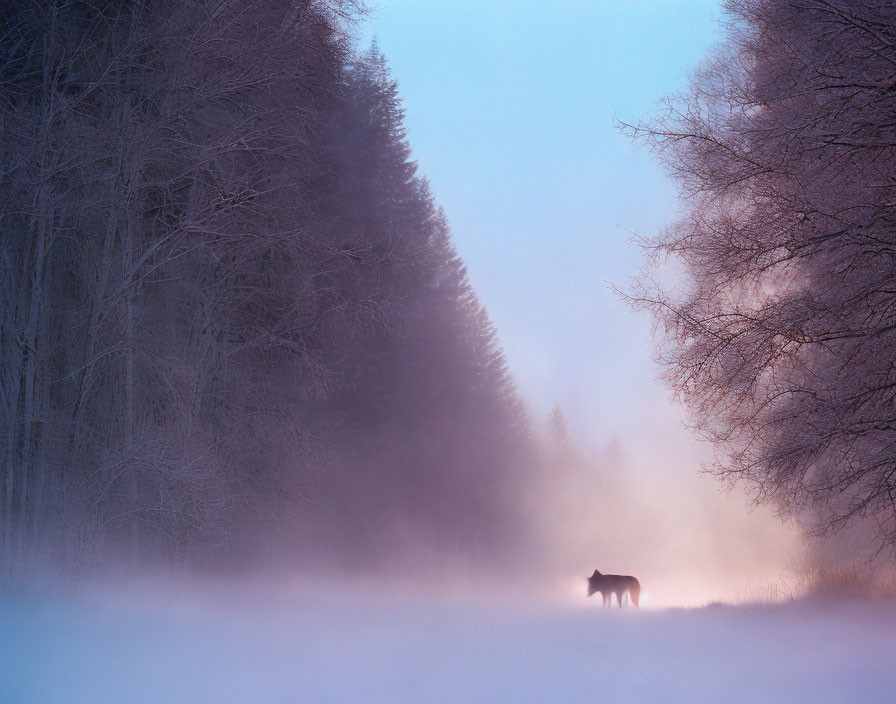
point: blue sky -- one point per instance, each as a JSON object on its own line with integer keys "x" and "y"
{"x": 510, "y": 110}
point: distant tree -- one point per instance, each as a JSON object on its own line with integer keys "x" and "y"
{"x": 782, "y": 337}
{"x": 428, "y": 436}
{"x": 561, "y": 448}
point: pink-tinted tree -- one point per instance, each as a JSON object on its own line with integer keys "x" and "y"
{"x": 782, "y": 337}
{"x": 221, "y": 280}
{"x": 429, "y": 448}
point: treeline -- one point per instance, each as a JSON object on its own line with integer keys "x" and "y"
{"x": 783, "y": 340}
{"x": 226, "y": 294}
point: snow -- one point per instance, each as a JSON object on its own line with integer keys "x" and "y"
{"x": 334, "y": 645}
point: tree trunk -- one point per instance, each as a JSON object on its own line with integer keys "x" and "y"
{"x": 129, "y": 382}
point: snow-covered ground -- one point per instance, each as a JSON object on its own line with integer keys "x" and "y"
{"x": 329, "y": 645}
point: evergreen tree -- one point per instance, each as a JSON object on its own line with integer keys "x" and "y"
{"x": 222, "y": 282}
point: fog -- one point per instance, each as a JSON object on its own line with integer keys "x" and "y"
{"x": 344, "y": 643}
{"x": 688, "y": 540}
{"x": 318, "y": 383}
{"x": 645, "y": 511}
{"x": 292, "y": 370}
{"x": 543, "y": 245}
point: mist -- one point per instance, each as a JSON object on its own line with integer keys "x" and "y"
{"x": 357, "y": 352}
{"x": 258, "y": 348}
{"x": 348, "y": 642}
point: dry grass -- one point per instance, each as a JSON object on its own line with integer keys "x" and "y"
{"x": 852, "y": 580}
{"x": 771, "y": 591}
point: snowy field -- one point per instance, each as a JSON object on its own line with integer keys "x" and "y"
{"x": 218, "y": 645}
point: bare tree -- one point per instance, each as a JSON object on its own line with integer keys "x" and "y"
{"x": 162, "y": 251}
{"x": 782, "y": 337}
{"x": 220, "y": 270}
